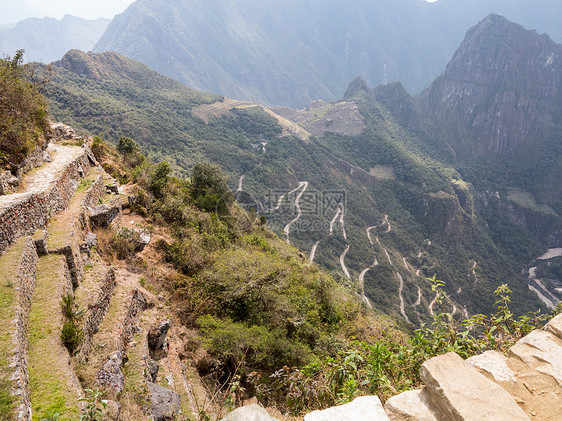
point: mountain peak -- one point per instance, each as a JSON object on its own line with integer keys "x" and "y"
{"x": 488, "y": 98}
{"x": 356, "y": 86}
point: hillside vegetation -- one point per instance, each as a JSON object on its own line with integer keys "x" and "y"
{"x": 418, "y": 215}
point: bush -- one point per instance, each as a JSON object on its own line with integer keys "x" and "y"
{"x": 209, "y": 189}
{"x": 71, "y": 333}
{"x": 23, "y": 111}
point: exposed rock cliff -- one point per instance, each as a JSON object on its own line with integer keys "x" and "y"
{"x": 499, "y": 92}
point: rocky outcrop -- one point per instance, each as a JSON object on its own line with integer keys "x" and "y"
{"x": 157, "y": 342}
{"x": 499, "y": 92}
{"x": 525, "y": 385}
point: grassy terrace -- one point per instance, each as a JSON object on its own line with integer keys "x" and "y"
{"x": 60, "y": 226}
{"x": 52, "y": 381}
{"x": 9, "y": 264}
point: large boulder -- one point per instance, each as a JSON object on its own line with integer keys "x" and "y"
{"x": 110, "y": 376}
{"x": 157, "y": 340}
{"x": 165, "y": 404}
{"x": 364, "y": 408}
{"x": 463, "y": 394}
{"x": 102, "y": 215}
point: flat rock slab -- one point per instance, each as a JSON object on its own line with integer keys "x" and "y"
{"x": 542, "y": 351}
{"x": 463, "y": 394}
{"x": 364, "y": 408}
{"x": 252, "y": 412}
{"x": 495, "y": 365}
{"x": 410, "y": 406}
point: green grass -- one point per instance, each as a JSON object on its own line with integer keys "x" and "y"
{"x": 49, "y": 374}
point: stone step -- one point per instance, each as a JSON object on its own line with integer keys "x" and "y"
{"x": 54, "y": 386}
{"x": 462, "y": 393}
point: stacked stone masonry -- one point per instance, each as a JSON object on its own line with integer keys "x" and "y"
{"x": 97, "y": 313}
{"x": 24, "y": 283}
{"x": 49, "y": 190}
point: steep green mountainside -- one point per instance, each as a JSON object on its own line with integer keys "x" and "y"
{"x": 48, "y": 39}
{"x": 379, "y": 207}
{"x": 292, "y": 52}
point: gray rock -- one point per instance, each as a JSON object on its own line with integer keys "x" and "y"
{"x": 463, "y": 394}
{"x": 112, "y": 188}
{"x": 152, "y": 369}
{"x": 8, "y": 183}
{"x": 90, "y": 241}
{"x": 165, "y": 404}
{"x": 110, "y": 376}
{"x": 102, "y": 215}
{"x": 252, "y": 412}
{"x": 157, "y": 343}
{"x": 364, "y": 408}
{"x": 412, "y": 405}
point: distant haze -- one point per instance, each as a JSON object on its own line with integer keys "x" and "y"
{"x": 14, "y": 11}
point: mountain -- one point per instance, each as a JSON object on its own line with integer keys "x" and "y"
{"x": 48, "y": 39}
{"x": 498, "y": 107}
{"x": 366, "y": 185}
{"x": 295, "y": 51}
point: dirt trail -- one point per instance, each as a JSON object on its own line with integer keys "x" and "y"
{"x": 342, "y": 261}
{"x": 313, "y": 252}
{"x": 401, "y": 297}
{"x": 287, "y": 229}
{"x": 418, "y": 301}
{"x": 334, "y": 219}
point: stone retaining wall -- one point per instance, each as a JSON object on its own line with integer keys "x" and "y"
{"x": 97, "y": 313}
{"x": 129, "y": 326}
{"x": 24, "y": 283}
{"x": 29, "y": 211}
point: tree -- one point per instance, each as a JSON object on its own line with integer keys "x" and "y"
{"x": 209, "y": 188}
{"x": 23, "y": 111}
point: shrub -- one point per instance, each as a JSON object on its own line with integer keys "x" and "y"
{"x": 23, "y": 111}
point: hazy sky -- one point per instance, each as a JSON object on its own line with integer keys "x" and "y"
{"x": 12, "y": 11}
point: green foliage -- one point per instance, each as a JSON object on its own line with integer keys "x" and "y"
{"x": 209, "y": 188}
{"x": 23, "y": 111}
{"x": 94, "y": 409}
{"x": 71, "y": 333}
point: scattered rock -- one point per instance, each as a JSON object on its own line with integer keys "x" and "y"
{"x": 157, "y": 342}
{"x": 8, "y": 183}
{"x": 364, "y": 408}
{"x": 61, "y": 131}
{"x": 102, "y": 215}
{"x": 165, "y": 404}
{"x": 462, "y": 393}
{"x": 110, "y": 376}
{"x": 252, "y": 412}
{"x": 112, "y": 188}
{"x": 90, "y": 241}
